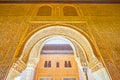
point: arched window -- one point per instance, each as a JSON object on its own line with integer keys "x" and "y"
{"x": 57, "y": 64}
{"x": 47, "y": 64}
{"x": 69, "y": 11}
{"x": 44, "y": 11}
{"x": 67, "y": 64}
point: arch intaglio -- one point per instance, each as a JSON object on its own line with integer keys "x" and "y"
{"x": 88, "y": 64}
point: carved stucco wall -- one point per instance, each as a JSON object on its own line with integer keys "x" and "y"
{"x": 100, "y": 21}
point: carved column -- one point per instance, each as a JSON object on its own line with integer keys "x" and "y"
{"x": 85, "y": 69}
{"x": 98, "y": 70}
{"x": 81, "y": 72}
{"x": 29, "y": 73}
{"x": 30, "y": 68}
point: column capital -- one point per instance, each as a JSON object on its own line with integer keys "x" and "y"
{"x": 95, "y": 65}
{"x": 19, "y": 66}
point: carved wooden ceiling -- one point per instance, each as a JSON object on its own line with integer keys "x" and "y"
{"x": 60, "y": 1}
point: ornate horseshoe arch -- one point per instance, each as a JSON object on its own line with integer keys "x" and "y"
{"x": 34, "y": 44}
